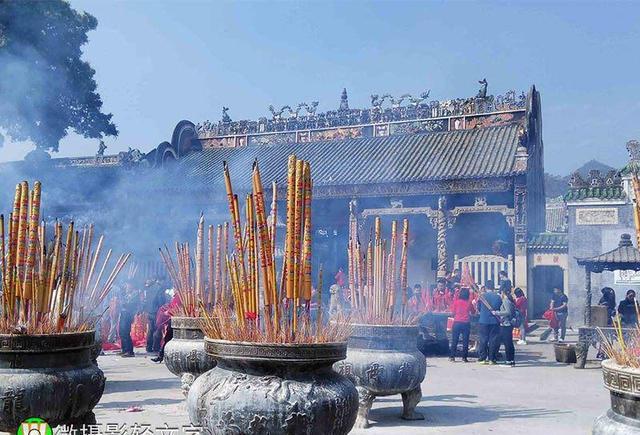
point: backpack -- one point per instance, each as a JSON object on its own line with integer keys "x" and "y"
{"x": 516, "y": 319}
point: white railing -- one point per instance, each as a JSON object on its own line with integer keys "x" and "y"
{"x": 485, "y": 267}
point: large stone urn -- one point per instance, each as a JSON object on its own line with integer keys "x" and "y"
{"x": 384, "y": 360}
{"x": 48, "y": 376}
{"x": 623, "y": 384}
{"x": 273, "y": 389}
{"x": 184, "y": 354}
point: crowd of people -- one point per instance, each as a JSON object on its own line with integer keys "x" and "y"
{"x": 149, "y": 307}
{"x": 498, "y": 309}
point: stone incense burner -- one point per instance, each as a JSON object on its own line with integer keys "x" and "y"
{"x": 49, "y": 376}
{"x": 623, "y": 417}
{"x": 384, "y": 360}
{"x": 184, "y": 354}
{"x": 273, "y": 389}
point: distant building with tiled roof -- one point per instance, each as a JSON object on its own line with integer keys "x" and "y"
{"x": 600, "y": 211}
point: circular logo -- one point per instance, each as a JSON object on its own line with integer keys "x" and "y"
{"x": 34, "y": 426}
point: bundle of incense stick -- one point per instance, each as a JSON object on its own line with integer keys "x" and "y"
{"x": 267, "y": 309}
{"x": 373, "y": 275}
{"x": 55, "y": 287}
{"x": 624, "y": 348}
{"x": 200, "y": 284}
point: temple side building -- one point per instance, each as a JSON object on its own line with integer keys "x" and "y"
{"x": 600, "y": 210}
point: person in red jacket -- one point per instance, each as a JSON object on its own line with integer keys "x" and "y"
{"x": 440, "y": 296}
{"x": 164, "y": 332}
{"x": 522, "y": 306}
{"x": 419, "y": 302}
{"x": 461, "y": 310}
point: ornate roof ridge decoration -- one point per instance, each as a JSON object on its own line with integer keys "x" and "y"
{"x": 595, "y": 186}
{"x": 385, "y": 108}
{"x": 633, "y": 167}
{"x": 129, "y": 158}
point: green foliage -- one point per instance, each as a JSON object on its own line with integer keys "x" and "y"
{"x": 45, "y": 86}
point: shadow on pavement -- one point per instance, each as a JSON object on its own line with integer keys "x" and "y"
{"x": 123, "y": 386}
{"x": 141, "y": 403}
{"x": 449, "y": 415}
{"x": 458, "y": 398}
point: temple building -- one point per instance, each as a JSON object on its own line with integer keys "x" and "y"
{"x": 467, "y": 173}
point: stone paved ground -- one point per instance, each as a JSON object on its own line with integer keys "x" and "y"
{"x": 539, "y": 396}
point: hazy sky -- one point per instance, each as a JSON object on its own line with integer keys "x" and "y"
{"x": 158, "y": 62}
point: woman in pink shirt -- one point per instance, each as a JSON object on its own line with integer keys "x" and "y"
{"x": 461, "y": 310}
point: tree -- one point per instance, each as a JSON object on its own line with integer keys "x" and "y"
{"x": 46, "y": 89}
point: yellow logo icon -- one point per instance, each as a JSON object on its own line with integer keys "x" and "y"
{"x": 34, "y": 426}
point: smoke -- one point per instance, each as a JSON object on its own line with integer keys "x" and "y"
{"x": 137, "y": 209}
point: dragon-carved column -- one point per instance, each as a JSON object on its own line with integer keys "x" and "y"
{"x": 440, "y": 221}
{"x": 520, "y": 236}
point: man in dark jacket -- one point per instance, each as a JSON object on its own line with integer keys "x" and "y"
{"x": 627, "y": 309}
{"x": 488, "y": 325}
{"x": 153, "y": 300}
{"x": 128, "y": 310}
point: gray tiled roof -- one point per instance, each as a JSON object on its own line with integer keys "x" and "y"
{"x": 549, "y": 242}
{"x": 477, "y": 153}
{"x": 624, "y": 257}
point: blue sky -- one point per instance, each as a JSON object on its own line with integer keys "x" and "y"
{"x": 159, "y": 62}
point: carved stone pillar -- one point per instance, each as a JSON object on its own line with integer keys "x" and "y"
{"x": 520, "y": 236}
{"x": 441, "y": 239}
{"x": 587, "y": 300}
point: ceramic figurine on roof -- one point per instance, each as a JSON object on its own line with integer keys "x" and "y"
{"x": 482, "y": 93}
{"x": 633, "y": 147}
{"x": 612, "y": 178}
{"x": 101, "y": 148}
{"x": 576, "y": 181}
{"x": 225, "y": 116}
{"x": 344, "y": 101}
{"x": 595, "y": 180}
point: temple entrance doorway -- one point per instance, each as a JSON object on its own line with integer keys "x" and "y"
{"x": 545, "y": 279}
